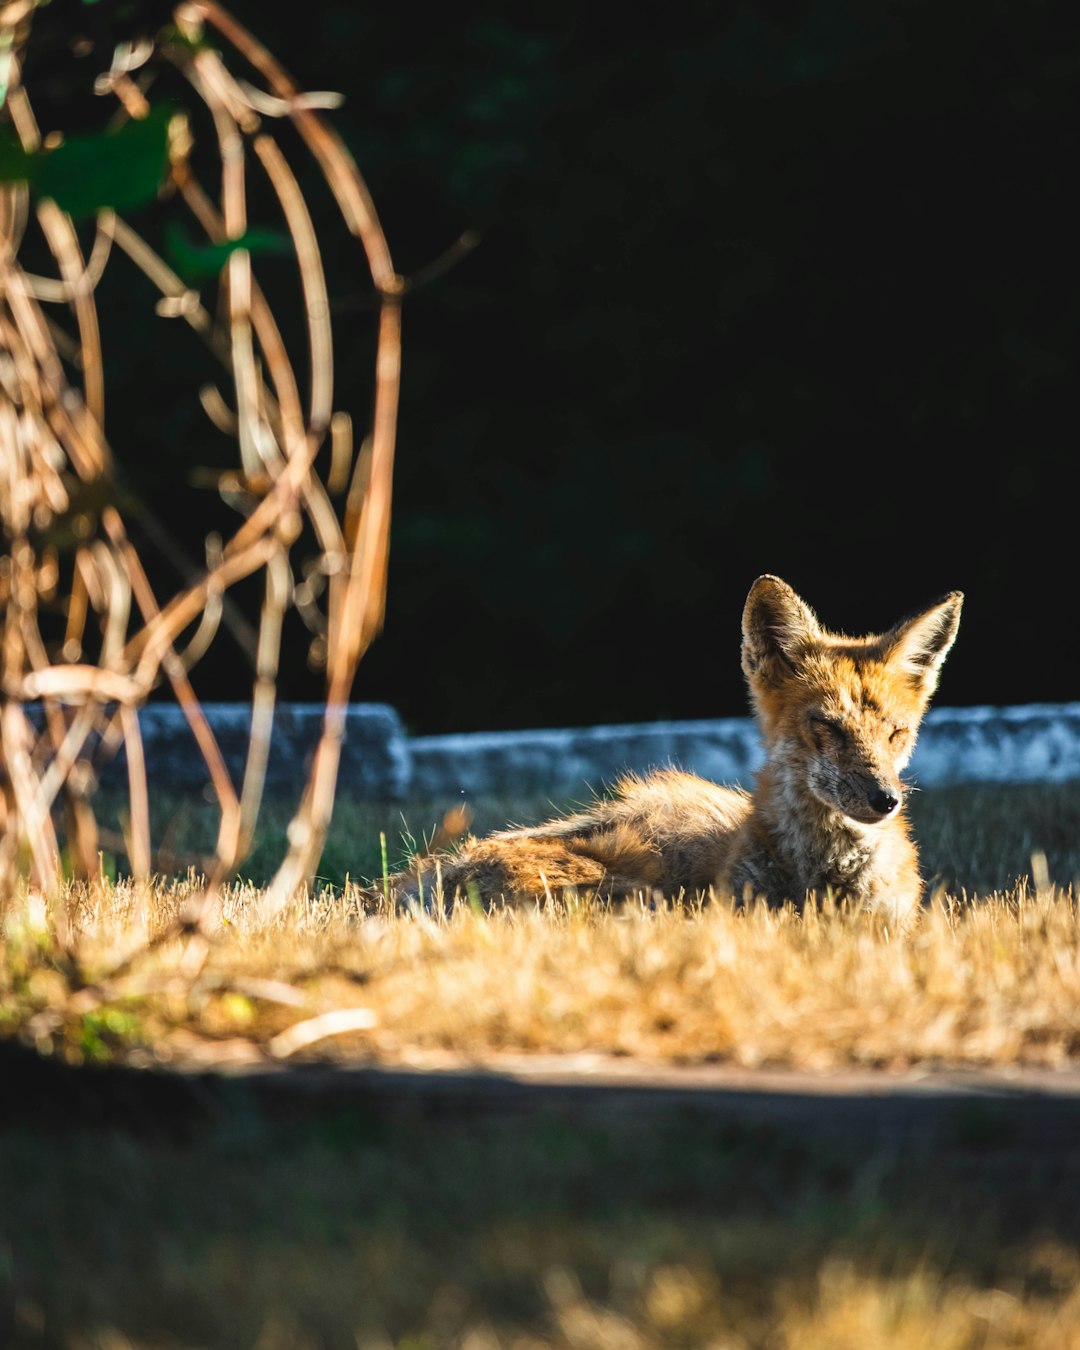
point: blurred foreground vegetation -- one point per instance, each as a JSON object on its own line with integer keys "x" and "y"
{"x": 322, "y": 1226}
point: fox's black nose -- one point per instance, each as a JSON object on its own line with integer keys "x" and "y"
{"x": 884, "y": 803}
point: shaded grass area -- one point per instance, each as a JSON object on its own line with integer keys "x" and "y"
{"x": 983, "y": 837}
{"x": 976, "y": 838}
{"x": 329, "y": 1225}
{"x": 184, "y": 828}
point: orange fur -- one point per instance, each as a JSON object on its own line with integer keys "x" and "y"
{"x": 838, "y": 718}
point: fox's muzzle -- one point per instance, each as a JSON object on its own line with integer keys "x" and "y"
{"x": 882, "y": 800}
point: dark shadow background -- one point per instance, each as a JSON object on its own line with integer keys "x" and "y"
{"x": 781, "y": 287}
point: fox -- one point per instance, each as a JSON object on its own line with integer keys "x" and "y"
{"x": 838, "y": 718}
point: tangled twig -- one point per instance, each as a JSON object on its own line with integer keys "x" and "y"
{"x": 85, "y": 638}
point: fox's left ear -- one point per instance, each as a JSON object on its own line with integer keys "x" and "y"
{"x": 778, "y": 626}
{"x": 920, "y": 645}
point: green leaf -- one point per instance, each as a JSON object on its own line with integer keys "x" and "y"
{"x": 196, "y": 262}
{"x": 172, "y": 36}
{"x": 120, "y": 169}
{"x": 16, "y": 166}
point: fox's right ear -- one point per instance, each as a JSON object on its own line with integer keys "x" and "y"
{"x": 919, "y": 645}
{"x": 777, "y": 625}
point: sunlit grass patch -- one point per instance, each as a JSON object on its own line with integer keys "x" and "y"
{"x": 978, "y": 981}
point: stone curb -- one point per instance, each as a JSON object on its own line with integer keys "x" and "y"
{"x": 1034, "y": 743}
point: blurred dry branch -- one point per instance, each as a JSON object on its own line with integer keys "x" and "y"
{"x": 85, "y": 638}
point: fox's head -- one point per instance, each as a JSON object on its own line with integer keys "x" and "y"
{"x": 843, "y": 711}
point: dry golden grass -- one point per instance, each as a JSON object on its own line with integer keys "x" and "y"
{"x": 978, "y": 982}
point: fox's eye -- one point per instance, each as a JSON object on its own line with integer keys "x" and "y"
{"x": 827, "y": 728}
{"x": 899, "y": 736}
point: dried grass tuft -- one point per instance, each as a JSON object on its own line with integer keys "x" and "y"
{"x": 978, "y": 983}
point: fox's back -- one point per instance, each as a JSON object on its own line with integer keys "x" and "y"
{"x": 689, "y": 823}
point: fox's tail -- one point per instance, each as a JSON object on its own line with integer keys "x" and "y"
{"x": 611, "y": 861}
